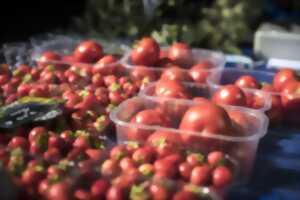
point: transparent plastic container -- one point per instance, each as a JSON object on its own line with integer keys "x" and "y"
{"x": 279, "y": 112}
{"x": 203, "y": 90}
{"x": 241, "y": 148}
{"x": 65, "y": 46}
{"x": 217, "y": 59}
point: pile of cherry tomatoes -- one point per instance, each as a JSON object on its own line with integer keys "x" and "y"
{"x": 70, "y": 157}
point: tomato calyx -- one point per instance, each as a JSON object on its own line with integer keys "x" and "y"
{"x": 27, "y": 78}
{"x": 84, "y": 93}
{"x": 114, "y": 87}
{"x": 146, "y": 170}
{"x": 138, "y": 192}
{"x": 195, "y": 190}
{"x": 133, "y": 144}
{"x": 160, "y": 143}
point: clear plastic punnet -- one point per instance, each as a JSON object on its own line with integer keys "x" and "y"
{"x": 203, "y": 57}
{"x": 281, "y": 111}
{"x": 75, "y": 50}
{"x": 256, "y": 99}
{"x": 240, "y": 144}
{"x": 197, "y": 56}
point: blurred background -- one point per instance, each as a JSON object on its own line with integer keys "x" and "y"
{"x": 228, "y": 25}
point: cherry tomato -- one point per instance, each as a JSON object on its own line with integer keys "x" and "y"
{"x": 110, "y": 168}
{"x": 166, "y": 167}
{"x": 106, "y": 65}
{"x": 195, "y": 159}
{"x": 200, "y": 175}
{"x": 165, "y": 143}
{"x": 215, "y": 158}
{"x": 206, "y": 117}
{"x": 99, "y": 189}
{"x": 230, "y": 95}
{"x": 147, "y": 117}
{"x": 18, "y": 142}
{"x": 36, "y": 132}
{"x": 118, "y": 152}
{"x": 247, "y": 81}
{"x": 158, "y": 192}
{"x": 142, "y": 73}
{"x": 283, "y": 76}
{"x": 147, "y": 169}
{"x": 175, "y": 74}
{"x": 200, "y": 71}
{"x": 185, "y": 170}
{"x": 115, "y": 193}
{"x": 144, "y": 154}
{"x": 43, "y": 187}
{"x": 88, "y": 52}
{"x": 221, "y": 176}
{"x": 31, "y": 177}
{"x": 59, "y": 191}
{"x": 127, "y": 163}
{"x": 145, "y": 53}
{"x": 171, "y": 89}
{"x": 241, "y": 122}
{"x": 184, "y": 195}
{"x": 290, "y": 98}
{"x": 47, "y": 57}
{"x": 181, "y": 54}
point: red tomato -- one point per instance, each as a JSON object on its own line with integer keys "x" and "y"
{"x": 290, "y": 98}
{"x": 185, "y": 170}
{"x": 115, "y": 193}
{"x": 184, "y": 195}
{"x": 159, "y": 192}
{"x": 88, "y": 52}
{"x": 200, "y": 72}
{"x": 99, "y": 189}
{"x": 175, "y": 74}
{"x": 166, "y": 168}
{"x": 142, "y": 73}
{"x": 221, "y": 176}
{"x": 59, "y": 191}
{"x": 240, "y": 122}
{"x": 147, "y": 117}
{"x": 106, "y": 65}
{"x": 47, "y": 57}
{"x": 171, "y": 89}
{"x": 230, "y": 95}
{"x": 209, "y": 117}
{"x": 275, "y": 113}
{"x": 195, "y": 159}
{"x": 215, "y": 158}
{"x": 206, "y": 118}
{"x": 146, "y": 52}
{"x": 165, "y": 143}
{"x": 181, "y": 54}
{"x": 247, "y": 81}
{"x": 283, "y": 76}
{"x": 200, "y": 175}
{"x": 144, "y": 154}
{"x": 165, "y": 63}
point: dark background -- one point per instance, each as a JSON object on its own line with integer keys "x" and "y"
{"x": 21, "y": 19}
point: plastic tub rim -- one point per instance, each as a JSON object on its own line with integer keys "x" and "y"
{"x": 264, "y": 121}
